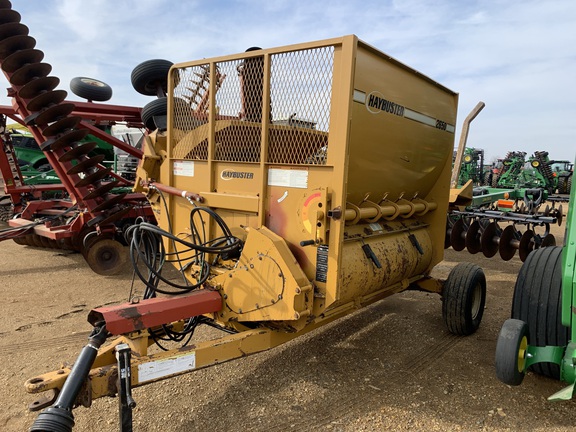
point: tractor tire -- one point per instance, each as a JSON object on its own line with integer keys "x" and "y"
{"x": 463, "y": 299}
{"x": 537, "y": 302}
{"x": 562, "y": 185}
{"x": 150, "y": 78}
{"x": 511, "y": 352}
{"x": 91, "y": 89}
{"x": 43, "y": 167}
{"x": 488, "y": 179}
{"x": 569, "y": 185}
{"x": 158, "y": 107}
{"x": 494, "y": 181}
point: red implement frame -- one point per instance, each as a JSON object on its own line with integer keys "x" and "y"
{"x": 131, "y": 317}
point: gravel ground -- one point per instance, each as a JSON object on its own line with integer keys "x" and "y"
{"x": 391, "y": 366}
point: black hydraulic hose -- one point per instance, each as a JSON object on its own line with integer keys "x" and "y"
{"x": 59, "y": 417}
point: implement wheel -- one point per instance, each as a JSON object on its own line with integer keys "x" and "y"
{"x": 158, "y": 107}
{"x": 150, "y": 78}
{"x": 105, "y": 256}
{"x": 463, "y": 299}
{"x": 91, "y": 89}
{"x": 511, "y": 352}
{"x": 537, "y": 302}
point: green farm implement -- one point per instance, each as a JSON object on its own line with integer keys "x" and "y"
{"x": 540, "y": 336}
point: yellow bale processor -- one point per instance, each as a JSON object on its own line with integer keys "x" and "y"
{"x": 291, "y": 187}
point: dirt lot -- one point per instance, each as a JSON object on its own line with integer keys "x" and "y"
{"x": 391, "y": 366}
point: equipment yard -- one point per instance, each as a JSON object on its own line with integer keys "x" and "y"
{"x": 274, "y": 202}
{"x": 390, "y": 366}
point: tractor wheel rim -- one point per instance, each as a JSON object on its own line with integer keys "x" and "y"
{"x": 522, "y": 353}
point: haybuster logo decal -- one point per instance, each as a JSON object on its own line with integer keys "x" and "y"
{"x": 376, "y": 103}
{"x": 230, "y": 174}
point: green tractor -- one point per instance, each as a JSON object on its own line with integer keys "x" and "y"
{"x": 472, "y": 167}
{"x": 563, "y": 171}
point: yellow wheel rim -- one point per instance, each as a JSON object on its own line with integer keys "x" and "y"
{"x": 522, "y": 354}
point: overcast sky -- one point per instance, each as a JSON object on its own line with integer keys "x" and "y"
{"x": 517, "y": 56}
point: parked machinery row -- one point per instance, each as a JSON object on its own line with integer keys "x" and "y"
{"x": 515, "y": 171}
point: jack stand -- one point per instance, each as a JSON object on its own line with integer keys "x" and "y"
{"x": 126, "y": 403}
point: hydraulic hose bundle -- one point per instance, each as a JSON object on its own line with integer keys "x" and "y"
{"x": 148, "y": 255}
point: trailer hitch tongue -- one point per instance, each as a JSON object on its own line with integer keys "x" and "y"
{"x": 59, "y": 417}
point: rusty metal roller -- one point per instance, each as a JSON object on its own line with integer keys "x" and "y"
{"x": 526, "y": 244}
{"x": 101, "y": 190}
{"x": 35, "y": 240}
{"x": 46, "y": 99}
{"x": 472, "y": 238}
{"x": 109, "y": 202}
{"x": 9, "y": 16}
{"x": 93, "y": 177}
{"x": 12, "y": 44}
{"x": 509, "y": 243}
{"x": 61, "y": 126}
{"x": 66, "y": 243}
{"x": 13, "y": 29}
{"x": 458, "y": 235}
{"x": 29, "y": 72}
{"x": 24, "y": 240}
{"x": 65, "y": 139}
{"x": 50, "y": 114}
{"x": 78, "y": 151}
{"x": 47, "y": 243}
{"x": 490, "y": 240}
{"x": 86, "y": 164}
{"x": 38, "y": 86}
{"x": 21, "y": 58}
{"x": 110, "y": 216}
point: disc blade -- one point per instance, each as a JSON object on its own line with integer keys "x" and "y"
{"x": 489, "y": 240}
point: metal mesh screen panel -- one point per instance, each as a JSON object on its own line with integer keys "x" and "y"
{"x": 300, "y": 93}
{"x": 190, "y": 112}
{"x": 239, "y": 108}
{"x": 299, "y": 111}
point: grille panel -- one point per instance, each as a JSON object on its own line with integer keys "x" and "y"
{"x": 298, "y": 115}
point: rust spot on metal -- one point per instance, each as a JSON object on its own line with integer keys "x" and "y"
{"x": 132, "y": 314}
{"x": 112, "y": 386}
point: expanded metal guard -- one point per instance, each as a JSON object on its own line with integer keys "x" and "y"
{"x": 300, "y": 89}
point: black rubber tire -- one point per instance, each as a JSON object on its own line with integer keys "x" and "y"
{"x": 463, "y": 299}
{"x": 488, "y": 179}
{"x": 511, "y": 352}
{"x": 537, "y": 302}
{"x": 43, "y": 166}
{"x": 494, "y": 181}
{"x": 569, "y": 185}
{"x": 150, "y": 75}
{"x": 562, "y": 185}
{"x": 157, "y": 107}
{"x": 91, "y": 89}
